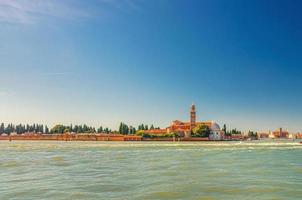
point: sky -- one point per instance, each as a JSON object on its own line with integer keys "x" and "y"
{"x": 100, "y": 62}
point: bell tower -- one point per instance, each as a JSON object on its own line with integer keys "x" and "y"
{"x": 193, "y": 116}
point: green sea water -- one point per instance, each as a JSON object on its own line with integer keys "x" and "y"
{"x": 150, "y": 170}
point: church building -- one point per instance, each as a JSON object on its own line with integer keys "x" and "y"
{"x": 184, "y": 129}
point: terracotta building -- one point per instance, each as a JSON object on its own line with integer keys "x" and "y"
{"x": 279, "y": 134}
{"x": 298, "y": 136}
{"x": 263, "y": 135}
{"x": 184, "y": 129}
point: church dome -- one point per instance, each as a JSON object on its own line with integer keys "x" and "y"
{"x": 215, "y": 126}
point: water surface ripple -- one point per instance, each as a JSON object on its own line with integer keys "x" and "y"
{"x": 150, "y": 170}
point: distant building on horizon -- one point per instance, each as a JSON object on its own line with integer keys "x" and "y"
{"x": 184, "y": 129}
{"x": 280, "y": 133}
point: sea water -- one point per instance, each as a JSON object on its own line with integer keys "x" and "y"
{"x": 37, "y": 170}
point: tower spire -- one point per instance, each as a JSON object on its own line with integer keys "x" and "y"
{"x": 192, "y": 117}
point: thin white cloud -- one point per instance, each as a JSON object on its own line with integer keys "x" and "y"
{"x": 33, "y": 11}
{"x": 28, "y": 76}
{"x": 30, "y": 11}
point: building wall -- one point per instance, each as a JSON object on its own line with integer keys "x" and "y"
{"x": 78, "y": 137}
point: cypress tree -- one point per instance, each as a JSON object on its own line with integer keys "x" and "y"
{"x": 121, "y": 128}
{"x": 101, "y": 129}
{"x": 126, "y": 130}
{"x": 2, "y": 128}
{"x": 46, "y": 130}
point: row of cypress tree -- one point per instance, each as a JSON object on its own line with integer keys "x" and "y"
{"x": 125, "y": 129}
{"x": 40, "y": 128}
{"x": 22, "y": 128}
{"x": 43, "y": 129}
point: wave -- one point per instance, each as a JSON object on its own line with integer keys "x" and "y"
{"x": 53, "y": 145}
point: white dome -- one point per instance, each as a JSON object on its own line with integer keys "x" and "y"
{"x": 215, "y": 126}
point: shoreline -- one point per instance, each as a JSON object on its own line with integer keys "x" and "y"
{"x": 116, "y": 138}
{"x": 101, "y": 137}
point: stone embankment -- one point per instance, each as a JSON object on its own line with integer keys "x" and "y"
{"x": 75, "y": 137}
{"x": 92, "y": 137}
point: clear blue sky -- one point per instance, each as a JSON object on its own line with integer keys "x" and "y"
{"x": 100, "y": 62}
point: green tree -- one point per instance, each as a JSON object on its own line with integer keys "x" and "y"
{"x": 85, "y": 128}
{"x": 2, "y": 127}
{"x": 140, "y": 132}
{"x": 80, "y": 129}
{"x": 124, "y": 129}
{"x": 141, "y": 127}
{"x": 58, "y": 129}
{"x": 121, "y": 128}
{"x": 224, "y": 128}
{"x": 106, "y": 130}
{"x": 46, "y": 130}
{"x": 201, "y": 131}
{"x": 253, "y": 135}
{"x": 235, "y": 131}
{"x": 100, "y": 130}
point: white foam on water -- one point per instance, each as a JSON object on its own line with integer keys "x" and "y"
{"x": 36, "y": 145}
